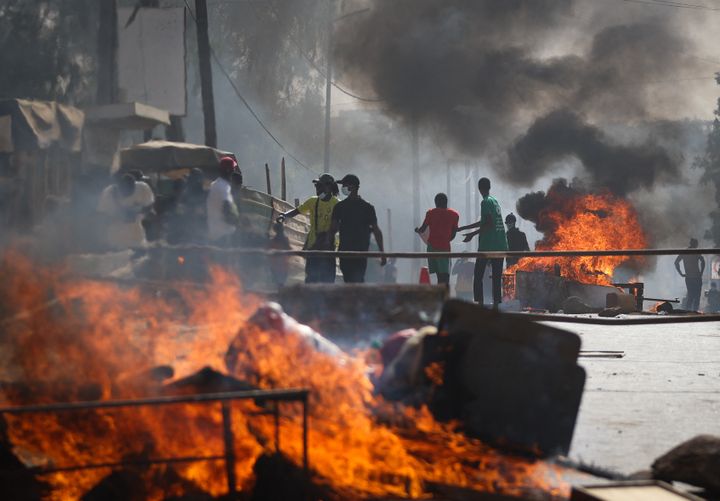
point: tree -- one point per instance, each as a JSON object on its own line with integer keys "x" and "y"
{"x": 47, "y": 49}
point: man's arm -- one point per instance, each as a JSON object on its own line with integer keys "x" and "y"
{"x": 677, "y": 266}
{"x": 334, "y": 223}
{"x": 702, "y": 265}
{"x": 469, "y": 236}
{"x": 455, "y": 228}
{"x": 525, "y": 245}
{"x": 470, "y": 226}
{"x": 291, "y": 213}
{"x": 422, "y": 228}
{"x": 379, "y": 239}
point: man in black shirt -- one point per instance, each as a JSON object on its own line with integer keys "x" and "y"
{"x": 517, "y": 241}
{"x": 355, "y": 219}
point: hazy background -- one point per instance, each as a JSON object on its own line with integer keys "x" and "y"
{"x": 617, "y": 94}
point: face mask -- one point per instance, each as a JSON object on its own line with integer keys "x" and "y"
{"x": 325, "y": 196}
{"x": 346, "y": 191}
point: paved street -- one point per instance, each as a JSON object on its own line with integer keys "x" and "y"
{"x": 664, "y": 391}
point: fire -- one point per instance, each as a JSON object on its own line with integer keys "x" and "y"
{"x": 585, "y": 221}
{"x": 65, "y": 333}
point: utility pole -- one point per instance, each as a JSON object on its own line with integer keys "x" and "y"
{"x": 477, "y": 193}
{"x": 328, "y": 85}
{"x": 416, "y": 185}
{"x": 468, "y": 187}
{"x": 107, "y": 86}
{"x": 447, "y": 181}
{"x": 206, "y": 84}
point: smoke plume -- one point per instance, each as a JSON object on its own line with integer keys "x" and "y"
{"x": 482, "y": 72}
{"x": 562, "y": 134}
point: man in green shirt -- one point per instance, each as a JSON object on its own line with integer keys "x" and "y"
{"x": 492, "y": 238}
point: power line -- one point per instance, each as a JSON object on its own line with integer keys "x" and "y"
{"x": 297, "y": 46}
{"x": 678, "y": 5}
{"x": 245, "y": 102}
{"x": 309, "y": 60}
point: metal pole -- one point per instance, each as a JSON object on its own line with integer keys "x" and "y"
{"x": 107, "y": 79}
{"x": 267, "y": 179}
{"x": 328, "y": 86}
{"x": 415, "y": 267}
{"x": 306, "y": 461}
{"x": 229, "y": 441}
{"x": 477, "y": 193}
{"x": 447, "y": 181}
{"x": 389, "y": 230}
{"x": 276, "y": 412}
{"x": 206, "y": 82}
{"x": 468, "y": 188}
{"x": 283, "y": 180}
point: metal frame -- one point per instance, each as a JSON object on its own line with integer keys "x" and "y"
{"x": 425, "y": 255}
{"x": 276, "y": 396}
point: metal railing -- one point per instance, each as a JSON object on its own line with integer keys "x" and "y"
{"x": 259, "y": 396}
{"x": 425, "y": 255}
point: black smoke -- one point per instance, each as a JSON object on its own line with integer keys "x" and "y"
{"x": 475, "y": 71}
{"x": 563, "y": 134}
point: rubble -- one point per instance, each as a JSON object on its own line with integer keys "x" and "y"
{"x": 695, "y": 462}
{"x": 509, "y": 381}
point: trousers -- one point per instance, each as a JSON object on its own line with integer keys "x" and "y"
{"x": 319, "y": 269}
{"x": 497, "y": 267}
{"x": 353, "y": 270}
{"x": 694, "y": 287}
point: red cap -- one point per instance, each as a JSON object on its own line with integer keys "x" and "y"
{"x": 228, "y": 165}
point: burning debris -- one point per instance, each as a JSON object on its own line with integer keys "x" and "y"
{"x": 573, "y": 218}
{"x": 105, "y": 334}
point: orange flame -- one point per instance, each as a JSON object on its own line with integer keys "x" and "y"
{"x": 587, "y": 222}
{"x": 72, "y": 331}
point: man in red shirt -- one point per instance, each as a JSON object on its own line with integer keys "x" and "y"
{"x": 443, "y": 224}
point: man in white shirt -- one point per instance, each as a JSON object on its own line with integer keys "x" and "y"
{"x": 123, "y": 204}
{"x": 222, "y": 213}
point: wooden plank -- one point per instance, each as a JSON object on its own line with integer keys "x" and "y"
{"x": 651, "y": 490}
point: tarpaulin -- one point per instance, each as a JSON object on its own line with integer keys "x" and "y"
{"x": 37, "y": 125}
{"x": 158, "y": 156}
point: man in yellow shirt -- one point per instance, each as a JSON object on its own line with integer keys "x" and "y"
{"x": 319, "y": 209}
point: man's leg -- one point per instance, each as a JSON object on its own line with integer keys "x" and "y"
{"x": 353, "y": 270}
{"x": 361, "y": 269}
{"x": 691, "y": 294}
{"x": 480, "y": 265}
{"x": 696, "y": 290}
{"x": 497, "y": 267}
{"x": 327, "y": 270}
{"x": 311, "y": 270}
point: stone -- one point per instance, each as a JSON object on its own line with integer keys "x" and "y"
{"x": 574, "y": 306}
{"x": 695, "y": 462}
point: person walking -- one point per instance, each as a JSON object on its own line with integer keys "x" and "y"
{"x": 355, "y": 219}
{"x": 318, "y": 269}
{"x": 491, "y": 238}
{"x": 222, "y": 213}
{"x": 694, "y": 267}
{"x": 516, "y": 239}
{"x": 443, "y": 225}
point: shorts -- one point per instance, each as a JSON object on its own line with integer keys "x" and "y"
{"x": 438, "y": 264}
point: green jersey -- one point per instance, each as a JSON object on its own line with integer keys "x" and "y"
{"x": 492, "y": 237}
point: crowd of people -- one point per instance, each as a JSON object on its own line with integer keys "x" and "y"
{"x": 192, "y": 214}
{"x": 132, "y": 215}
